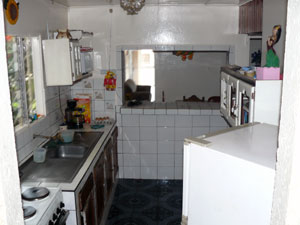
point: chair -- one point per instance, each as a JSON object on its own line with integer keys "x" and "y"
{"x": 136, "y": 92}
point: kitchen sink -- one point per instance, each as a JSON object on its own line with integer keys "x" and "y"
{"x": 67, "y": 151}
{"x": 63, "y": 161}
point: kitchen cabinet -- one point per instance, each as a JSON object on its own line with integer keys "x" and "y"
{"x": 95, "y": 191}
{"x": 62, "y": 59}
{"x": 246, "y": 100}
{"x": 108, "y": 167}
{"x": 115, "y": 152}
{"x": 229, "y": 180}
{"x": 100, "y": 185}
{"x": 87, "y": 202}
{"x": 250, "y": 17}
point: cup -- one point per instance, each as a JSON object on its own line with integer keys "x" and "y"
{"x": 39, "y": 155}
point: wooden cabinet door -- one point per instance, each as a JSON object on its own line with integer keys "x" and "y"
{"x": 99, "y": 177}
{"x": 108, "y": 167}
{"x": 86, "y": 202}
{"x": 115, "y": 152}
{"x": 250, "y": 17}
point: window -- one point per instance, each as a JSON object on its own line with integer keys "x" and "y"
{"x": 26, "y": 90}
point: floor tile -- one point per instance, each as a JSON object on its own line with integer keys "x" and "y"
{"x": 143, "y": 202}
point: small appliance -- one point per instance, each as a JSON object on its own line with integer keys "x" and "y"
{"x": 74, "y": 117}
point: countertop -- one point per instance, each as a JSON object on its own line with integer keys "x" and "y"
{"x": 256, "y": 143}
{"x": 80, "y": 174}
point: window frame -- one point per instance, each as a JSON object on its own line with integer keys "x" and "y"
{"x": 38, "y": 76}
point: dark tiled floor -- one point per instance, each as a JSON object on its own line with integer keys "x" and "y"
{"x": 146, "y": 202}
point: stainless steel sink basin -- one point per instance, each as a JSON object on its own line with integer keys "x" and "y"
{"x": 63, "y": 160}
{"x": 67, "y": 151}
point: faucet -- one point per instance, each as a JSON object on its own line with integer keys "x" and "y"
{"x": 54, "y": 138}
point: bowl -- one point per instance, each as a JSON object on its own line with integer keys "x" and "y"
{"x": 67, "y": 136}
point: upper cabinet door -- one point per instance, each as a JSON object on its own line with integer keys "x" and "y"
{"x": 250, "y": 17}
{"x": 57, "y": 60}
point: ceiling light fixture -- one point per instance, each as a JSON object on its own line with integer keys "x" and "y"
{"x": 132, "y": 6}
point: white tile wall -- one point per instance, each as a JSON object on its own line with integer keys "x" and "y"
{"x": 149, "y": 172}
{"x": 166, "y": 173}
{"x": 165, "y": 133}
{"x": 198, "y": 131}
{"x": 130, "y": 120}
{"x": 47, "y": 126}
{"x": 182, "y": 133}
{"x": 183, "y": 121}
{"x": 148, "y": 147}
{"x": 131, "y": 133}
{"x": 148, "y": 133}
{"x": 166, "y": 147}
{"x": 166, "y": 160}
{"x": 165, "y": 121}
{"x": 152, "y": 144}
{"x": 178, "y": 147}
{"x": 178, "y": 173}
{"x": 217, "y": 121}
{"x": 148, "y": 121}
{"x": 178, "y": 160}
{"x": 149, "y": 160}
{"x": 131, "y": 160}
{"x": 131, "y": 147}
{"x": 132, "y": 172}
{"x": 69, "y": 200}
{"x": 201, "y": 121}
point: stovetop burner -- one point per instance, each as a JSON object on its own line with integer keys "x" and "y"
{"x": 29, "y": 212}
{"x": 35, "y": 193}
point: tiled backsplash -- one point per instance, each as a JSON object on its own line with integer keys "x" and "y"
{"x": 103, "y": 101}
{"x": 47, "y": 125}
{"x": 151, "y": 145}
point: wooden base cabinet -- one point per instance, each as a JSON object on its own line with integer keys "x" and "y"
{"x": 108, "y": 168}
{"x": 100, "y": 184}
{"x": 87, "y": 202}
{"x": 115, "y": 152}
{"x": 93, "y": 194}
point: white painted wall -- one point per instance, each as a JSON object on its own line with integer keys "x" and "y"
{"x": 274, "y": 12}
{"x": 33, "y": 20}
{"x": 160, "y": 25}
{"x": 10, "y": 196}
{"x": 286, "y": 200}
{"x": 199, "y": 76}
{"x": 34, "y": 16}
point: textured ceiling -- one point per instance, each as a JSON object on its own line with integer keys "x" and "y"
{"x": 149, "y": 2}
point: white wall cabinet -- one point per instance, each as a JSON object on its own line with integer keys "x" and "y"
{"x": 246, "y": 100}
{"x": 62, "y": 62}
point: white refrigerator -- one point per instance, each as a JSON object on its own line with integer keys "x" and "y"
{"x": 229, "y": 176}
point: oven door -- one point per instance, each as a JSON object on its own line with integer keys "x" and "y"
{"x": 62, "y": 217}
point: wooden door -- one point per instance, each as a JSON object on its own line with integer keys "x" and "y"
{"x": 99, "y": 178}
{"x": 86, "y": 203}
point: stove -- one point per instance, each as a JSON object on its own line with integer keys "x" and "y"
{"x": 43, "y": 206}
